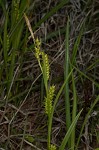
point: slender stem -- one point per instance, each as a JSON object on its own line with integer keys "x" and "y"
{"x": 66, "y": 72}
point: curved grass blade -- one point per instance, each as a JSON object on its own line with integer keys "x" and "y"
{"x": 66, "y": 72}
{"x": 67, "y": 136}
{"x": 74, "y": 111}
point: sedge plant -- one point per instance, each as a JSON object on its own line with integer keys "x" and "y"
{"x": 50, "y": 100}
{"x": 13, "y": 40}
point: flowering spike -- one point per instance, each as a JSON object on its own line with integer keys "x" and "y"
{"x": 49, "y": 99}
{"x": 37, "y": 49}
{"x": 52, "y": 147}
{"x": 46, "y": 66}
{"x": 38, "y": 42}
{"x": 16, "y": 9}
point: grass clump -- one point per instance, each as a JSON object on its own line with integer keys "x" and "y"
{"x": 49, "y": 87}
{"x": 49, "y": 108}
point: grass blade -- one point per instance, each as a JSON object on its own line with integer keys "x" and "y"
{"x": 65, "y": 140}
{"x": 5, "y": 45}
{"x": 74, "y": 111}
{"x": 66, "y": 72}
{"x": 76, "y": 45}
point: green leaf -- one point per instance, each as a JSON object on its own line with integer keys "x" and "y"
{"x": 29, "y": 138}
{"x": 65, "y": 140}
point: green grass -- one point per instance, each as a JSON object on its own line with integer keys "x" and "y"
{"x": 36, "y": 100}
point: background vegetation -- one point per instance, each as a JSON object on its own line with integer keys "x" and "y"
{"x": 69, "y": 35}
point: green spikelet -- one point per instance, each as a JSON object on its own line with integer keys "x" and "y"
{"x": 38, "y": 43}
{"x": 49, "y": 99}
{"x": 45, "y": 63}
{"x": 37, "y": 49}
{"x": 52, "y": 147}
{"x": 16, "y": 10}
{"x": 46, "y": 66}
